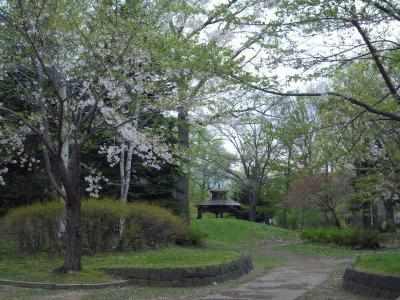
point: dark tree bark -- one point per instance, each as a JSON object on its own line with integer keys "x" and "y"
{"x": 70, "y": 178}
{"x": 72, "y": 260}
{"x": 254, "y": 194}
{"x": 252, "y": 206}
{"x": 335, "y": 218}
{"x": 182, "y": 184}
{"x": 284, "y": 221}
{"x": 389, "y": 215}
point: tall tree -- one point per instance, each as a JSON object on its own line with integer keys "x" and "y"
{"x": 78, "y": 60}
{"x": 255, "y": 140}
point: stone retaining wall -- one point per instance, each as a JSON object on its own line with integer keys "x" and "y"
{"x": 374, "y": 285}
{"x": 62, "y": 286}
{"x": 173, "y": 277}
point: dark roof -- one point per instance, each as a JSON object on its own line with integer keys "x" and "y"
{"x": 220, "y": 202}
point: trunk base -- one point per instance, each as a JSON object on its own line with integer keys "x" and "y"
{"x": 67, "y": 270}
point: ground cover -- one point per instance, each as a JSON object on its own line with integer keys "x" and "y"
{"x": 387, "y": 263}
{"x": 243, "y": 237}
{"x": 39, "y": 267}
{"x": 326, "y": 250}
{"x": 233, "y": 232}
{"x": 227, "y": 238}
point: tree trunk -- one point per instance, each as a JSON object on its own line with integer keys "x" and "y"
{"x": 389, "y": 215}
{"x": 253, "y": 199}
{"x": 126, "y": 171}
{"x": 283, "y": 221}
{"x": 335, "y": 218}
{"x": 365, "y": 215}
{"x": 70, "y": 178}
{"x": 374, "y": 217}
{"x": 72, "y": 260}
{"x": 182, "y": 184}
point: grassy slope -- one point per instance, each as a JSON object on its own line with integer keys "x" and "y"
{"x": 39, "y": 267}
{"x": 226, "y": 239}
{"x": 316, "y": 249}
{"x": 241, "y": 236}
{"x": 232, "y": 232}
{"x": 380, "y": 263}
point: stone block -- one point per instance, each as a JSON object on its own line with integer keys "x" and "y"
{"x": 140, "y": 273}
{"x": 154, "y": 274}
{"x": 202, "y": 272}
{"x": 214, "y": 270}
{"x": 188, "y": 272}
{"x": 187, "y": 282}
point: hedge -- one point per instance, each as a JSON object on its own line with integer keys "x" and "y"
{"x": 356, "y": 238}
{"x": 107, "y": 225}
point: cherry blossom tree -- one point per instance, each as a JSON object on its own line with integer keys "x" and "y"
{"x": 77, "y": 62}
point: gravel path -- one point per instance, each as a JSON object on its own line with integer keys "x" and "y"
{"x": 296, "y": 276}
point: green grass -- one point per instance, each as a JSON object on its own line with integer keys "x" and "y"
{"x": 242, "y": 236}
{"x": 39, "y": 267}
{"x": 163, "y": 258}
{"x": 227, "y": 238}
{"x": 380, "y": 263}
{"x": 315, "y": 249}
{"x": 232, "y": 232}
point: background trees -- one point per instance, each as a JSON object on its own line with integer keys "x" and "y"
{"x": 130, "y": 80}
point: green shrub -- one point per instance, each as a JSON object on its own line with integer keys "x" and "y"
{"x": 363, "y": 239}
{"x": 42, "y": 226}
{"x": 149, "y": 226}
{"x": 303, "y": 218}
{"x": 100, "y": 223}
{"x": 37, "y": 226}
{"x": 192, "y": 236}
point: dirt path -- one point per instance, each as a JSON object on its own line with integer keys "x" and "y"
{"x": 296, "y": 276}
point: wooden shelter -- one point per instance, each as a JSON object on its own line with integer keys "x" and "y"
{"x": 219, "y": 204}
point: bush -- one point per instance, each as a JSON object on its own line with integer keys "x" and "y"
{"x": 149, "y": 226}
{"x": 304, "y": 218}
{"x": 356, "y": 238}
{"x": 42, "y": 226}
{"x": 191, "y": 237}
{"x": 100, "y": 223}
{"x": 38, "y": 226}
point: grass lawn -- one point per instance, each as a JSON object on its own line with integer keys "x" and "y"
{"x": 380, "y": 263}
{"x": 316, "y": 249}
{"x": 241, "y": 236}
{"x": 39, "y": 267}
{"x": 227, "y": 238}
{"x": 238, "y": 233}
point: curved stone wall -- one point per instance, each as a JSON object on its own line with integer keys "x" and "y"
{"x": 62, "y": 286}
{"x": 196, "y": 276}
{"x": 368, "y": 284}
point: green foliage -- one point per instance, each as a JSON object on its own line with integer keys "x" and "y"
{"x": 40, "y": 226}
{"x": 363, "y": 239}
{"x": 380, "y": 263}
{"x": 303, "y": 218}
{"x": 148, "y": 226}
{"x": 37, "y": 226}
{"x": 100, "y": 223}
{"x": 192, "y": 236}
